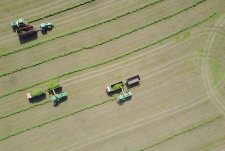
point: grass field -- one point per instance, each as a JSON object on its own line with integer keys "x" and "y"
{"x": 176, "y": 46}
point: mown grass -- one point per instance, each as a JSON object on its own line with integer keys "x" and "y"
{"x": 59, "y": 11}
{"x": 217, "y": 71}
{"x": 37, "y": 92}
{"x": 57, "y": 118}
{"x": 184, "y": 131}
{"x": 77, "y": 30}
{"x": 184, "y": 35}
{"x": 112, "y": 59}
{"x": 24, "y": 109}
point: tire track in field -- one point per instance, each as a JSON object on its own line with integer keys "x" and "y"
{"x": 144, "y": 121}
{"x": 182, "y": 59}
{"x": 206, "y": 76}
{"x": 11, "y": 37}
{"x": 80, "y": 29}
{"x": 136, "y": 59}
{"x": 58, "y": 118}
{"x": 129, "y": 61}
{"x": 219, "y": 147}
{"x": 33, "y": 10}
{"x": 191, "y": 26}
{"x": 102, "y": 73}
{"x": 97, "y": 8}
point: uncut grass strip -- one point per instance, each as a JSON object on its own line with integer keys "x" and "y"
{"x": 23, "y": 109}
{"x": 57, "y": 118}
{"x": 59, "y": 12}
{"x": 112, "y": 59}
{"x": 191, "y": 128}
{"x": 102, "y": 42}
{"x": 77, "y": 30}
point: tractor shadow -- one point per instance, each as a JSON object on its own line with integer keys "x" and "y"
{"x": 38, "y": 98}
{"x": 29, "y": 38}
{"x": 122, "y": 102}
{"x": 45, "y": 32}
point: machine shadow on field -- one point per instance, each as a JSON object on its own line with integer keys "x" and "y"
{"x": 45, "y": 32}
{"x": 122, "y": 102}
{"x": 26, "y": 39}
{"x": 38, "y": 98}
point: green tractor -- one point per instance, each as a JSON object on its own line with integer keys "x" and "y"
{"x": 57, "y": 98}
{"x": 124, "y": 96}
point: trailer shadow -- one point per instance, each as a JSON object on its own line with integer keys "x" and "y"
{"x": 44, "y": 32}
{"x": 29, "y": 38}
{"x": 110, "y": 94}
{"x": 38, "y": 98}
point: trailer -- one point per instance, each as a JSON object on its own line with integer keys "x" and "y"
{"x": 36, "y": 94}
{"x": 114, "y": 87}
{"x": 133, "y": 80}
{"x": 26, "y": 31}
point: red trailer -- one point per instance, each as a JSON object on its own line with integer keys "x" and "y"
{"x": 26, "y": 31}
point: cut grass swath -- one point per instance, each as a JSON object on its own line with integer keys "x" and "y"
{"x": 193, "y": 127}
{"x": 112, "y": 59}
{"x": 79, "y": 29}
{"x": 57, "y": 118}
{"x": 24, "y": 109}
{"x": 100, "y": 43}
{"x": 59, "y": 12}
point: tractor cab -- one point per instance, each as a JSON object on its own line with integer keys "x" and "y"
{"x": 46, "y": 27}
{"x": 20, "y": 23}
{"x": 124, "y": 96}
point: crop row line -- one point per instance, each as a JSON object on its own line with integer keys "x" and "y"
{"x": 23, "y": 109}
{"x": 57, "y": 118}
{"x": 59, "y": 11}
{"x": 102, "y": 42}
{"x": 193, "y": 127}
{"x": 112, "y": 59}
{"x": 80, "y": 29}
